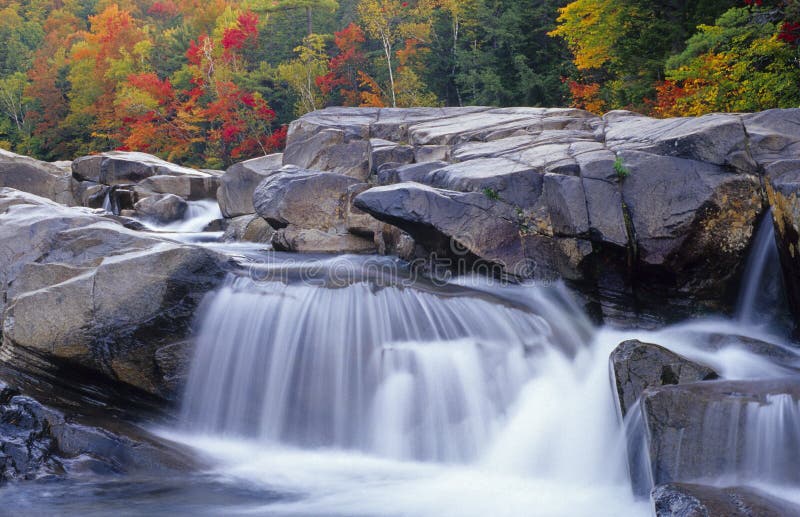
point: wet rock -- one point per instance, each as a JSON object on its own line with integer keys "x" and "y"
{"x": 37, "y": 441}
{"x": 235, "y": 194}
{"x": 689, "y": 500}
{"x": 44, "y": 179}
{"x": 251, "y": 228}
{"x": 164, "y": 208}
{"x": 118, "y": 167}
{"x": 710, "y": 429}
{"x": 637, "y": 366}
{"x": 774, "y": 138}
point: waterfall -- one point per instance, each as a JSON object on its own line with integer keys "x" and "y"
{"x": 107, "y": 206}
{"x": 762, "y": 284}
{"x": 390, "y": 370}
{"x": 342, "y": 382}
{"x": 197, "y": 217}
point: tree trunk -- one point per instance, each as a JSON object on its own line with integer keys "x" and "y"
{"x": 309, "y": 21}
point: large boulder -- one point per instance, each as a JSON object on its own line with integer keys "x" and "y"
{"x": 310, "y": 211}
{"x": 235, "y": 194}
{"x": 250, "y": 228}
{"x": 329, "y": 150}
{"x": 48, "y": 180}
{"x": 717, "y": 428}
{"x": 692, "y": 220}
{"x": 121, "y": 167}
{"x": 775, "y": 144}
{"x": 81, "y": 289}
{"x": 453, "y": 224}
{"x": 690, "y": 500}
{"x": 637, "y": 366}
{"x": 163, "y": 208}
{"x": 189, "y": 188}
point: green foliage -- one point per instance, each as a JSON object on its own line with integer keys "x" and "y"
{"x": 620, "y": 169}
{"x": 491, "y": 194}
{"x": 199, "y": 83}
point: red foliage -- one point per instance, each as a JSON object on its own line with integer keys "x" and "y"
{"x": 667, "y": 95}
{"x": 246, "y": 30}
{"x": 586, "y": 96}
{"x": 345, "y": 66}
{"x": 164, "y": 9}
{"x": 790, "y": 32}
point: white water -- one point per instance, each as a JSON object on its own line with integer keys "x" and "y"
{"x": 400, "y": 398}
{"x": 199, "y": 214}
{"x": 761, "y": 296}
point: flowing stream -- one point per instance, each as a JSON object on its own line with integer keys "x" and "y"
{"x": 350, "y": 392}
{"x": 346, "y": 386}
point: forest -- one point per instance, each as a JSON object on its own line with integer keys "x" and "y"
{"x": 210, "y": 82}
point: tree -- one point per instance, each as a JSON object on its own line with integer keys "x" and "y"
{"x": 307, "y": 6}
{"x": 302, "y": 72}
{"x": 742, "y": 63}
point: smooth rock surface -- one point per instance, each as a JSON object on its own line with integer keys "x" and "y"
{"x": 163, "y": 208}
{"x": 637, "y": 366}
{"x": 698, "y": 430}
{"x": 48, "y": 180}
{"x": 235, "y": 194}
{"x": 80, "y": 288}
{"x": 689, "y": 500}
{"x": 122, "y": 167}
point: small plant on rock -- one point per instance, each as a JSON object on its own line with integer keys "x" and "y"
{"x": 620, "y": 169}
{"x": 491, "y": 194}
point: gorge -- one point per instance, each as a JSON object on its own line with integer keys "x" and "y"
{"x": 455, "y": 311}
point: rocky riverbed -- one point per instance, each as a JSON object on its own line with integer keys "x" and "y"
{"x": 647, "y": 221}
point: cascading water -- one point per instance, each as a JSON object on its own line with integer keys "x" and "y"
{"x": 196, "y": 219}
{"x": 393, "y": 371}
{"x": 761, "y": 297}
{"x": 348, "y": 392}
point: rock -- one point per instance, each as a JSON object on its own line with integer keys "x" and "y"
{"x": 37, "y": 441}
{"x": 112, "y": 318}
{"x": 164, "y": 208}
{"x": 251, "y": 228}
{"x": 308, "y": 199}
{"x": 43, "y": 179}
{"x": 689, "y": 500}
{"x": 508, "y": 180}
{"x": 384, "y": 151}
{"x": 454, "y": 224}
{"x": 637, "y": 366}
{"x": 189, "y": 188}
{"x": 718, "y": 139}
{"x": 310, "y": 210}
{"x": 312, "y": 240}
{"x": 79, "y": 288}
{"x": 118, "y": 167}
{"x": 692, "y": 220}
{"x": 411, "y": 172}
{"x": 715, "y": 428}
{"x": 235, "y": 194}
{"x": 329, "y": 150}
{"x": 92, "y": 195}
